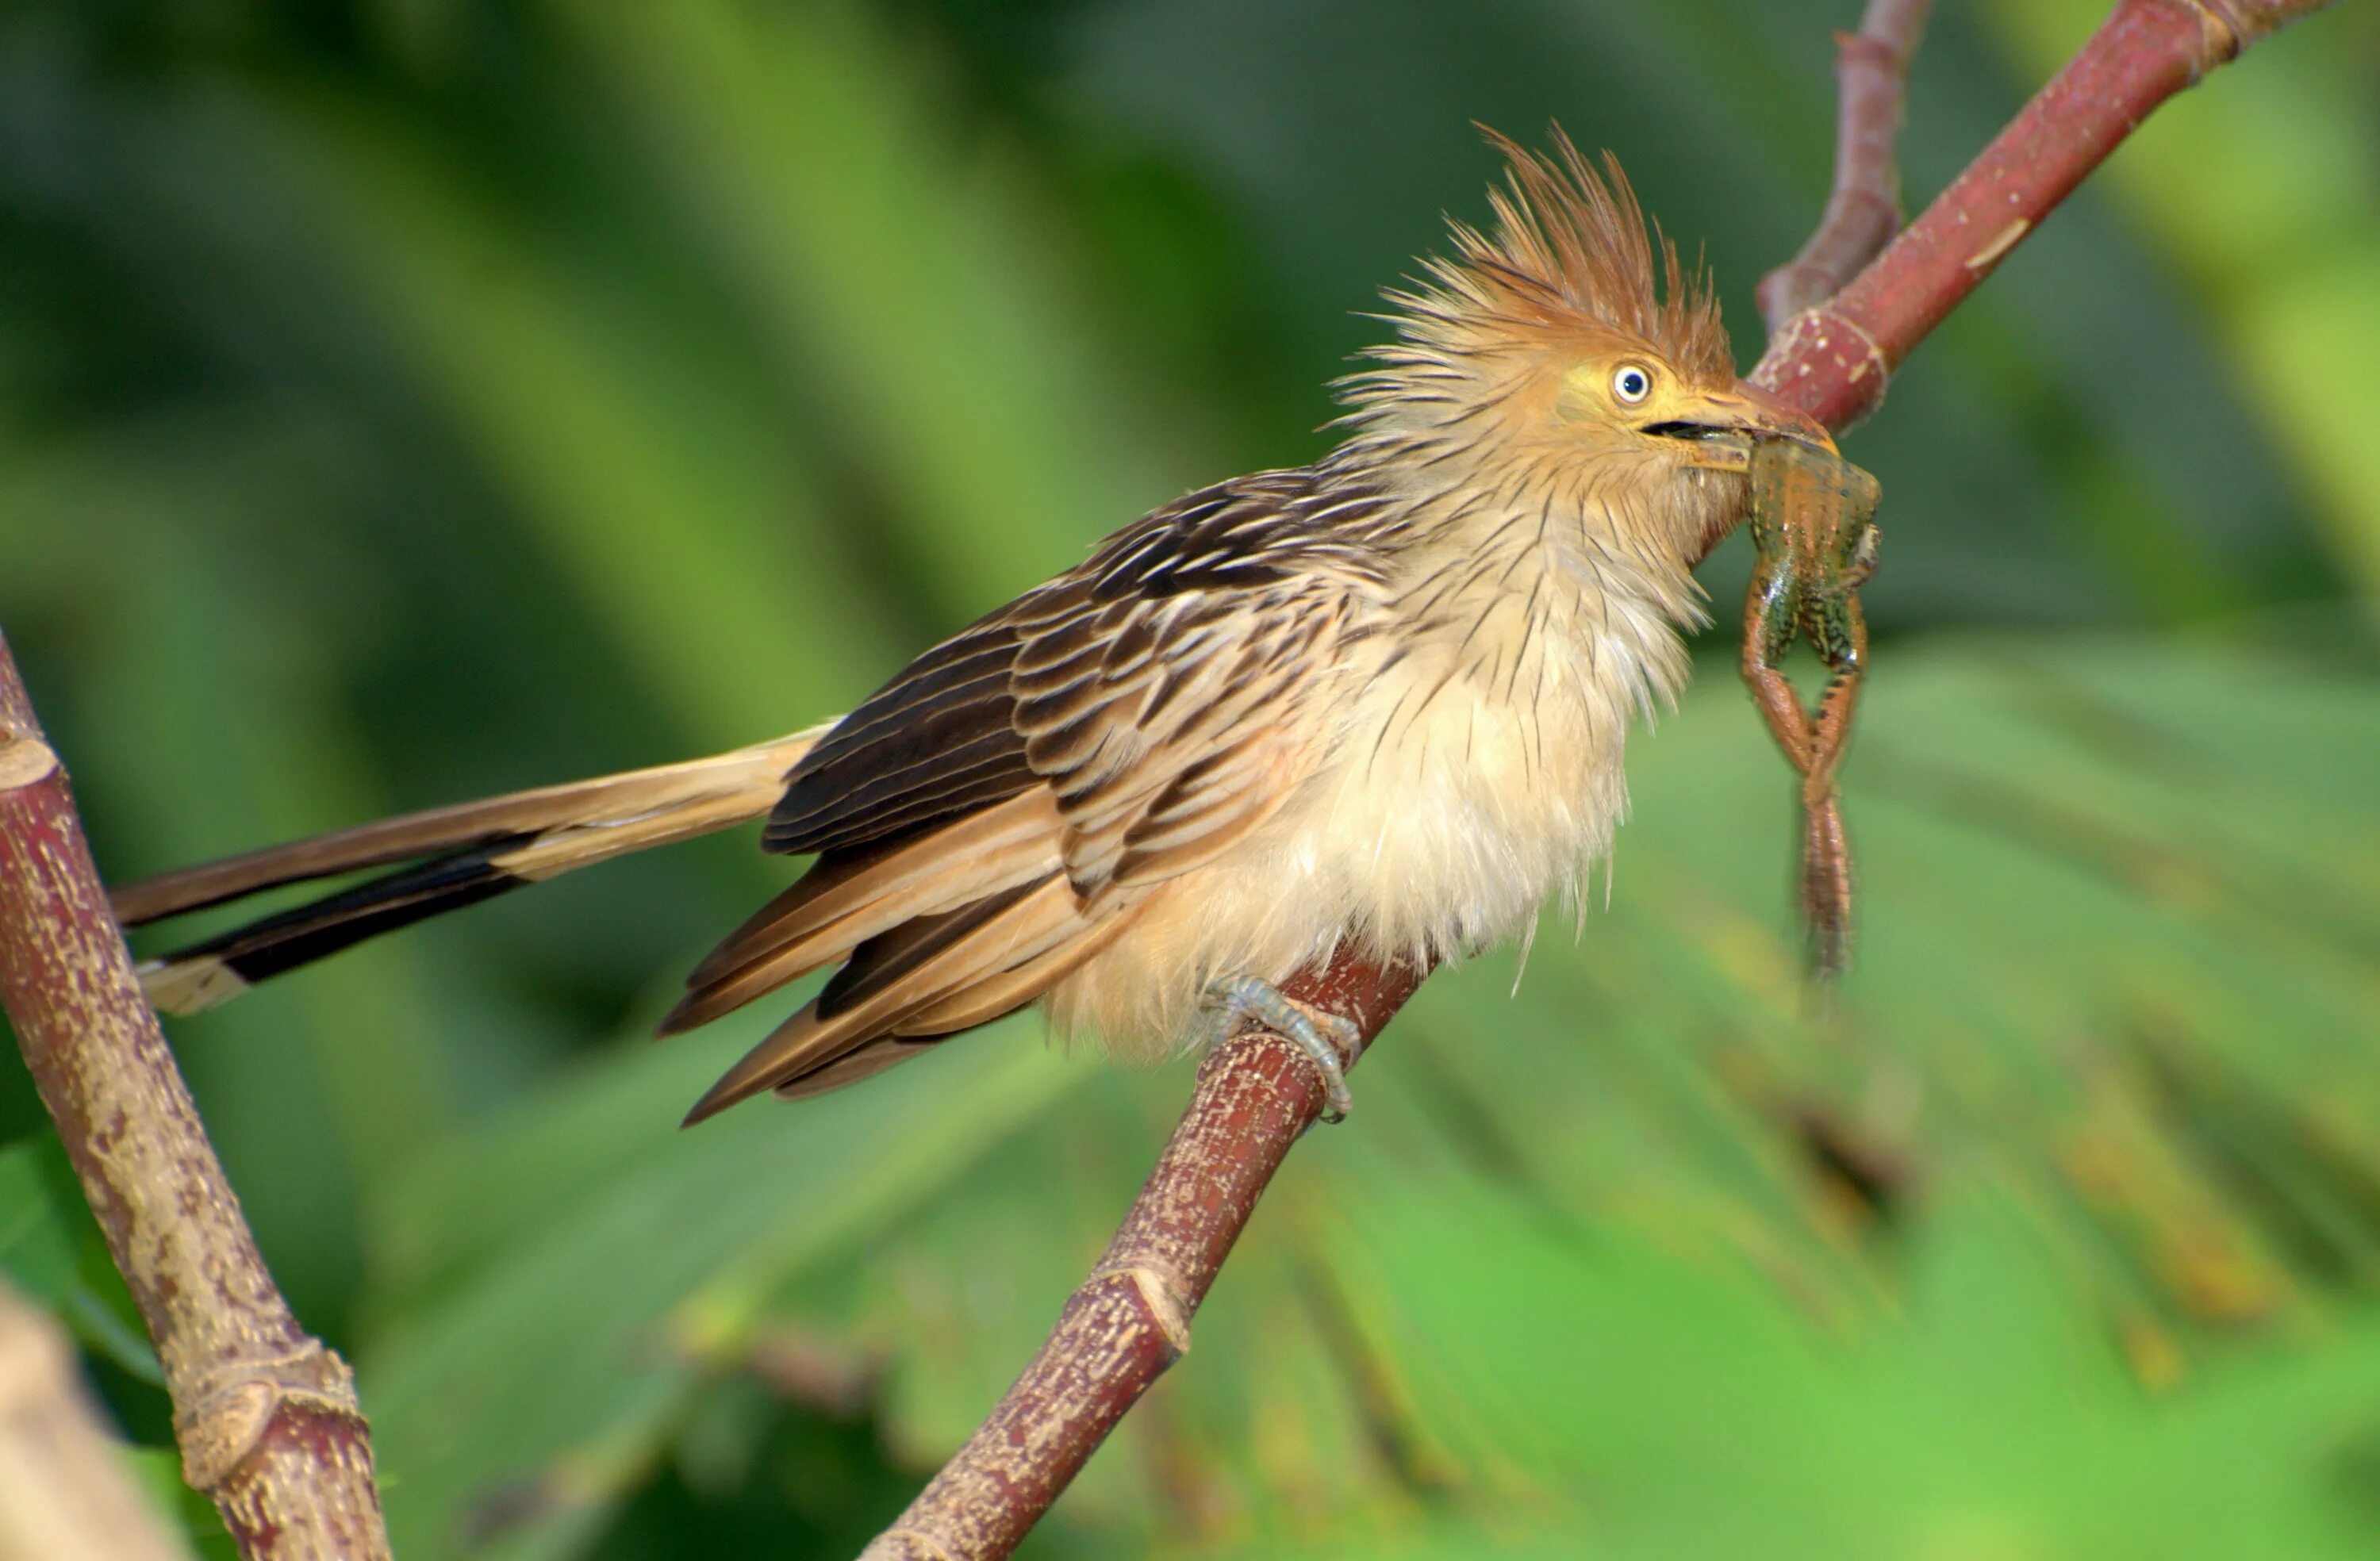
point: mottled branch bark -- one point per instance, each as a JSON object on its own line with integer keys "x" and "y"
{"x": 1863, "y": 208}
{"x": 266, "y": 1417}
{"x": 1131, "y": 1320}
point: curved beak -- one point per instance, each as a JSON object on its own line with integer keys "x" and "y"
{"x": 1722, "y": 425}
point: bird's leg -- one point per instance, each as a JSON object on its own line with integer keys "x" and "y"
{"x": 1329, "y": 1040}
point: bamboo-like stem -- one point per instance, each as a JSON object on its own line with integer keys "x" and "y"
{"x": 1131, "y": 1319}
{"x": 1863, "y": 208}
{"x": 266, "y": 1417}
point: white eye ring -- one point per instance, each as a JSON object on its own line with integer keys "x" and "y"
{"x": 1632, "y": 382}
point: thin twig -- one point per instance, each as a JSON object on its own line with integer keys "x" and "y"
{"x": 1863, "y": 208}
{"x": 67, "y": 1493}
{"x": 1833, "y": 359}
{"x": 1131, "y": 1319}
{"x": 266, "y": 1417}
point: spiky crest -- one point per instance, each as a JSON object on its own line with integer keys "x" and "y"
{"x": 1567, "y": 261}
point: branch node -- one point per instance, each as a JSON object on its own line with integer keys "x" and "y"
{"x": 1999, "y": 245}
{"x": 227, "y": 1418}
{"x": 1821, "y": 339}
{"x": 1854, "y": 50}
{"x": 1831, "y": 355}
{"x": 2223, "y": 34}
{"x": 267, "y": 1418}
{"x": 1162, "y": 1294}
{"x": 24, "y": 759}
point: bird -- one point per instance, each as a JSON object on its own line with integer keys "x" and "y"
{"x": 1377, "y": 702}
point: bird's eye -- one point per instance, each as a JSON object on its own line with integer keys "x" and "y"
{"x": 1632, "y": 382}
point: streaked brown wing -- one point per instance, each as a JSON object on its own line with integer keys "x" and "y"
{"x": 984, "y": 822}
{"x": 943, "y": 738}
{"x": 936, "y": 743}
{"x": 1170, "y": 727}
{"x": 1168, "y": 718}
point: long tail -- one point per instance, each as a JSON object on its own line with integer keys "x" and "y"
{"x": 451, "y": 857}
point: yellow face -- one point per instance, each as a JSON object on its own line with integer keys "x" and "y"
{"x": 1695, "y": 425}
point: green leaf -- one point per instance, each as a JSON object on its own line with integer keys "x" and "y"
{"x": 2089, "y": 976}
{"x": 51, "y": 1250}
{"x": 37, "y": 1237}
{"x": 1984, "y": 1423}
{"x": 584, "y": 1265}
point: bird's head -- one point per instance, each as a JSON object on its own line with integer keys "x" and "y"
{"x": 1566, "y": 349}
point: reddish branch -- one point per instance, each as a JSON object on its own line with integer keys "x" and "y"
{"x": 1863, "y": 208}
{"x": 266, "y": 1417}
{"x": 1833, "y": 358}
{"x": 1131, "y": 1319}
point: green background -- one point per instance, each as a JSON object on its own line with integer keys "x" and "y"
{"x": 402, "y": 400}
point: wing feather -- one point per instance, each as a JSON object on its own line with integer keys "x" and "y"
{"x": 932, "y": 744}
{"x": 864, "y": 1062}
{"x": 1184, "y": 755}
{"x": 998, "y": 814}
{"x": 1024, "y": 979}
{"x": 846, "y": 900}
{"x": 901, "y": 974}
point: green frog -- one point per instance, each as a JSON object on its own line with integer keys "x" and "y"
{"x": 1814, "y": 533}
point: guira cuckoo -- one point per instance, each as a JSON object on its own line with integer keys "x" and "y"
{"x": 1381, "y": 698}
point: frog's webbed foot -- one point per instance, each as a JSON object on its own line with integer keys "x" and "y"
{"x": 1328, "y": 1040}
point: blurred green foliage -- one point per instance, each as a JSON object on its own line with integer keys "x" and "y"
{"x": 403, "y": 401}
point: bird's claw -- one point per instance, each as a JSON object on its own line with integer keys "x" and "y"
{"x": 1329, "y": 1040}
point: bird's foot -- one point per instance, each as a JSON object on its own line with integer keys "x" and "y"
{"x": 1328, "y": 1040}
